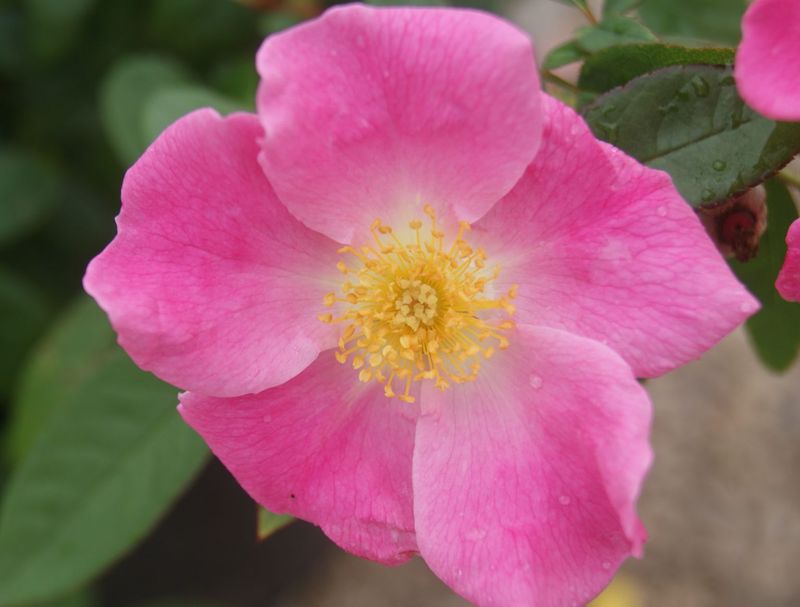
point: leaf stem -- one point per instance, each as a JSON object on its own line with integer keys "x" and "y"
{"x": 587, "y": 12}
{"x": 559, "y": 81}
{"x": 789, "y": 179}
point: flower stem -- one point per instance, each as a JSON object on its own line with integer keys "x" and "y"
{"x": 559, "y": 81}
{"x": 789, "y": 179}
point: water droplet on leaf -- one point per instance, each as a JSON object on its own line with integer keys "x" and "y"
{"x": 700, "y": 86}
{"x": 719, "y": 165}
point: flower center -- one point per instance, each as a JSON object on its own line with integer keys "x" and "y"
{"x": 415, "y": 311}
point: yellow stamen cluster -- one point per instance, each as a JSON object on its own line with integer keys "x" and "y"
{"x": 418, "y": 310}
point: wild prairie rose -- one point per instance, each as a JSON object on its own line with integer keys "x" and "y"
{"x": 788, "y": 283}
{"x": 409, "y": 301}
{"x": 768, "y": 78}
{"x": 767, "y": 70}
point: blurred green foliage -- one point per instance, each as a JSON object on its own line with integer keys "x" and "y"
{"x": 93, "y": 451}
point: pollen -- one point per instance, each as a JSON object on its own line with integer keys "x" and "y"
{"x": 420, "y": 310}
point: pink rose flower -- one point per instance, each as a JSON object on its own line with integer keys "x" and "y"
{"x": 409, "y": 301}
{"x": 768, "y": 79}
{"x": 788, "y": 283}
{"x": 767, "y": 70}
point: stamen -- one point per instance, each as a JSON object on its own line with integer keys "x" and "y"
{"x": 417, "y": 311}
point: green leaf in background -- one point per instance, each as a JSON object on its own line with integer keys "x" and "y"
{"x": 56, "y": 24}
{"x": 23, "y": 314}
{"x": 106, "y": 464}
{"x": 619, "y": 7}
{"x": 123, "y": 95}
{"x": 705, "y": 20}
{"x": 618, "y": 65}
{"x": 200, "y": 29}
{"x": 11, "y": 39}
{"x": 168, "y": 104}
{"x": 272, "y": 22}
{"x": 236, "y": 79}
{"x": 79, "y": 343}
{"x": 28, "y": 193}
{"x": 564, "y": 54}
{"x": 83, "y": 598}
{"x": 690, "y": 122}
{"x": 269, "y": 523}
{"x": 612, "y": 30}
{"x": 775, "y": 329}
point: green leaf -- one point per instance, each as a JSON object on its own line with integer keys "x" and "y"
{"x": 711, "y": 20}
{"x": 56, "y": 24}
{"x": 104, "y": 467}
{"x": 611, "y": 31}
{"x": 80, "y": 342}
{"x": 123, "y": 95}
{"x": 690, "y": 122}
{"x": 236, "y": 79}
{"x": 11, "y": 39}
{"x": 272, "y": 22}
{"x": 201, "y": 29}
{"x": 82, "y": 598}
{"x": 168, "y": 104}
{"x": 564, "y": 54}
{"x": 269, "y": 523}
{"x": 617, "y": 65}
{"x": 618, "y": 7}
{"x": 775, "y": 329}
{"x": 23, "y": 314}
{"x": 28, "y": 193}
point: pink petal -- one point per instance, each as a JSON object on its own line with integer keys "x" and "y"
{"x": 604, "y": 247}
{"x": 367, "y": 110}
{"x": 325, "y": 448}
{"x": 210, "y": 283}
{"x": 788, "y": 283}
{"x": 525, "y": 481}
{"x": 767, "y": 70}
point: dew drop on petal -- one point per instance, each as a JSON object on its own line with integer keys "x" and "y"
{"x": 747, "y": 307}
{"x": 606, "y": 565}
{"x": 475, "y": 535}
{"x": 267, "y": 419}
{"x": 564, "y": 500}
{"x": 536, "y": 382}
{"x": 661, "y": 211}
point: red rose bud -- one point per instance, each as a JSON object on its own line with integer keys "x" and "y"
{"x": 736, "y": 225}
